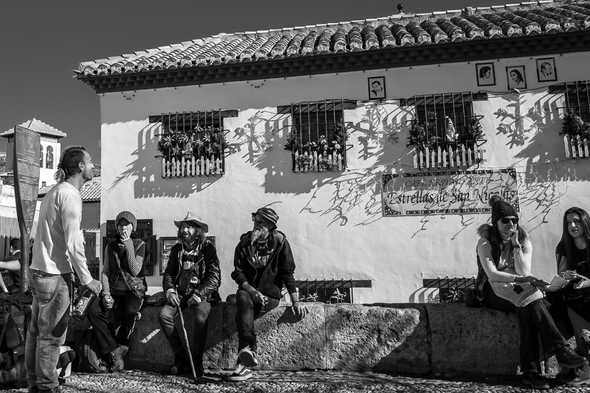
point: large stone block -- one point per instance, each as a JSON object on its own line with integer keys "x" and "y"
{"x": 392, "y": 339}
{"x": 476, "y": 341}
{"x": 149, "y": 349}
{"x": 284, "y": 343}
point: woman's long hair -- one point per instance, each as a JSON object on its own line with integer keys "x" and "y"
{"x": 568, "y": 242}
{"x": 496, "y": 239}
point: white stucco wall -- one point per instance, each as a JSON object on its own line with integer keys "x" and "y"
{"x": 334, "y": 220}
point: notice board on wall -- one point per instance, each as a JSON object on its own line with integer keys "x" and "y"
{"x": 447, "y": 192}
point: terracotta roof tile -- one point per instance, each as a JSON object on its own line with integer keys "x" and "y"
{"x": 471, "y": 23}
{"x": 90, "y": 191}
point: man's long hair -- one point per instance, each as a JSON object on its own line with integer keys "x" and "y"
{"x": 568, "y": 242}
{"x": 69, "y": 165}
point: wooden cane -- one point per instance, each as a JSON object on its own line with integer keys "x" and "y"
{"x": 188, "y": 347}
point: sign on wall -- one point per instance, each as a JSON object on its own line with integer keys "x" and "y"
{"x": 456, "y": 192}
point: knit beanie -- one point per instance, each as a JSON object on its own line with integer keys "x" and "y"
{"x": 500, "y": 209}
{"x": 268, "y": 214}
{"x": 127, "y": 216}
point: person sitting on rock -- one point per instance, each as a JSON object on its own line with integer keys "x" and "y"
{"x": 504, "y": 282}
{"x": 263, "y": 264}
{"x": 191, "y": 280}
{"x": 573, "y": 264}
{"x": 124, "y": 287}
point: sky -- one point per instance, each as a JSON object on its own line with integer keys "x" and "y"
{"x": 42, "y": 42}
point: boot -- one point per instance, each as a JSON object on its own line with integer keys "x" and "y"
{"x": 566, "y": 357}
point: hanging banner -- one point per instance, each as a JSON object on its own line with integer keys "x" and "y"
{"x": 448, "y": 192}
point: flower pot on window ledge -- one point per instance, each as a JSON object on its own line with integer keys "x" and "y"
{"x": 447, "y": 157}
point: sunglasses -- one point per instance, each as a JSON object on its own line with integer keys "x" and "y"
{"x": 509, "y": 220}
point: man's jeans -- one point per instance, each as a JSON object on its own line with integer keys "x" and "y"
{"x": 47, "y": 330}
{"x": 196, "y": 318}
{"x": 248, "y": 310}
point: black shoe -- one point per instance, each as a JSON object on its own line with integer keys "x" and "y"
{"x": 534, "y": 381}
{"x": 566, "y": 357}
{"x": 565, "y": 375}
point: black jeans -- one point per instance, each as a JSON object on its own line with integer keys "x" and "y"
{"x": 539, "y": 335}
{"x": 577, "y": 300}
{"x": 196, "y": 319}
{"x": 105, "y": 321}
{"x": 247, "y": 311}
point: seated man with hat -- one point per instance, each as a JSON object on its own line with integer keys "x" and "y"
{"x": 191, "y": 280}
{"x": 263, "y": 264}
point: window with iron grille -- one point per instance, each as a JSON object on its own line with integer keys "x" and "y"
{"x": 576, "y": 121}
{"x": 445, "y": 132}
{"x": 318, "y": 138}
{"x": 192, "y": 143}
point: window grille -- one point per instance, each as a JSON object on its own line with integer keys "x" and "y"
{"x": 446, "y": 133}
{"x": 329, "y": 291}
{"x": 318, "y": 138}
{"x": 192, "y": 144}
{"x": 451, "y": 290}
{"x": 576, "y": 122}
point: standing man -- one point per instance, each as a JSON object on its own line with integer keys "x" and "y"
{"x": 10, "y": 268}
{"x": 191, "y": 280}
{"x": 263, "y": 264}
{"x": 58, "y": 251}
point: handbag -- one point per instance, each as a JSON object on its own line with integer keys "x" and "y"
{"x": 136, "y": 285}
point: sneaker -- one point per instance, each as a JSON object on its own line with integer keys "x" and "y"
{"x": 566, "y": 357}
{"x": 566, "y": 375}
{"x": 240, "y": 374}
{"x": 208, "y": 377}
{"x": 582, "y": 376}
{"x": 247, "y": 357}
{"x": 534, "y": 381}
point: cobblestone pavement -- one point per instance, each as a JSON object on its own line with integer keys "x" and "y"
{"x": 282, "y": 382}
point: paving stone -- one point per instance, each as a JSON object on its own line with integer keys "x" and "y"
{"x": 290, "y": 382}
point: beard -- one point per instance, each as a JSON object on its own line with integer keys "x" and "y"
{"x": 259, "y": 234}
{"x": 190, "y": 241}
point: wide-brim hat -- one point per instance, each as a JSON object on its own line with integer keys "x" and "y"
{"x": 267, "y": 214}
{"x": 193, "y": 219}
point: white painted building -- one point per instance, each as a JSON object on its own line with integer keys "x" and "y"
{"x": 50, "y": 149}
{"x": 273, "y": 87}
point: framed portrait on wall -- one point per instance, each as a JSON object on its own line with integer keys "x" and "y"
{"x": 546, "y": 71}
{"x": 516, "y": 77}
{"x": 166, "y": 244}
{"x": 376, "y": 86}
{"x": 485, "y": 74}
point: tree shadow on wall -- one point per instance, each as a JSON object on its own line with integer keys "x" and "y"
{"x": 147, "y": 168}
{"x": 547, "y": 171}
{"x": 266, "y": 151}
{"x": 379, "y": 133}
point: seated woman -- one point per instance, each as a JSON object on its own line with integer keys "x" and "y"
{"x": 122, "y": 295}
{"x": 504, "y": 256}
{"x": 573, "y": 264}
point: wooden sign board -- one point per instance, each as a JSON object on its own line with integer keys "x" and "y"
{"x": 26, "y": 189}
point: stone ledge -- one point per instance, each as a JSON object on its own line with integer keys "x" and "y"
{"x": 403, "y": 339}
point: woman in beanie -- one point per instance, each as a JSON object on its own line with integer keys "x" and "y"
{"x": 504, "y": 282}
{"x": 124, "y": 287}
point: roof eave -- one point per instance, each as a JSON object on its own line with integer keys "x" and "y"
{"x": 470, "y": 50}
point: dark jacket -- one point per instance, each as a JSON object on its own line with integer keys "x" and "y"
{"x": 278, "y": 271}
{"x": 205, "y": 269}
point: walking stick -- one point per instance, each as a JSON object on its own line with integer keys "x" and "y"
{"x": 188, "y": 347}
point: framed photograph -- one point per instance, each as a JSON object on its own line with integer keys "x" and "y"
{"x": 516, "y": 77}
{"x": 546, "y": 71}
{"x": 166, "y": 244}
{"x": 376, "y": 85}
{"x": 485, "y": 74}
